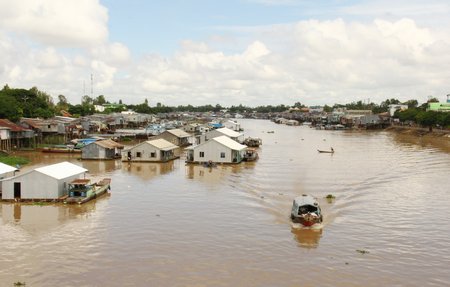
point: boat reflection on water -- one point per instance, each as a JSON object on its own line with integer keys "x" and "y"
{"x": 307, "y": 237}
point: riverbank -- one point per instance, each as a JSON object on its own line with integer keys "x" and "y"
{"x": 420, "y": 132}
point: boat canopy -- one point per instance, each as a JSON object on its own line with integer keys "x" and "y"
{"x": 308, "y": 201}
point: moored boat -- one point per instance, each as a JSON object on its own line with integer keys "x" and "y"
{"x": 61, "y": 149}
{"x": 253, "y": 142}
{"x": 251, "y": 154}
{"x": 306, "y": 211}
{"x": 81, "y": 190}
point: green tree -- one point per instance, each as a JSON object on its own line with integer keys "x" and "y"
{"x": 327, "y": 109}
{"x": 62, "y": 103}
{"x": 412, "y": 103}
{"x": 100, "y": 100}
{"x": 407, "y": 115}
{"x": 9, "y": 108}
{"x": 427, "y": 119}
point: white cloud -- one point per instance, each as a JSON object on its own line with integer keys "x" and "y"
{"x": 317, "y": 62}
{"x": 314, "y": 62}
{"x": 58, "y": 23}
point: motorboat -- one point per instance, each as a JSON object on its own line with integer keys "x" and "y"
{"x": 306, "y": 211}
{"x": 253, "y": 142}
{"x": 81, "y": 190}
{"x": 251, "y": 154}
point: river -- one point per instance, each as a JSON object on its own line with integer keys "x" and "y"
{"x": 173, "y": 224}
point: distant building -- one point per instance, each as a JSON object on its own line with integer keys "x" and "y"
{"x": 16, "y": 136}
{"x": 396, "y": 107}
{"x": 439, "y": 107}
{"x": 316, "y": 109}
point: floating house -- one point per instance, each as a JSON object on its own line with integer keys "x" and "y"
{"x": 233, "y": 125}
{"x": 102, "y": 149}
{"x": 177, "y": 137}
{"x": 44, "y": 183}
{"x": 158, "y": 150}
{"x": 236, "y": 136}
{"x": 220, "y": 149}
{"x": 5, "y": 172}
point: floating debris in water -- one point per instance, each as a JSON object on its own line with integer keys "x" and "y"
{"x": 362, "y": 251}
{"x": 18, "y": 283}
{"x": 330, "y": 196}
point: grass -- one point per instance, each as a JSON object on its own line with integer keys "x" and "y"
{"x": 13, "y": 160}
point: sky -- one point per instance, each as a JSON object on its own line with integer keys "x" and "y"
{"x": 249, "y": 52}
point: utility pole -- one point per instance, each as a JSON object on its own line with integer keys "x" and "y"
{"x": 92, "y": 85}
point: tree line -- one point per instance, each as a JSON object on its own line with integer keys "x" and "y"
{"x": 16, "y": 103}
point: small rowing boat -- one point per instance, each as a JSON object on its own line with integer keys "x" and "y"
{"x": 326, "y": 151}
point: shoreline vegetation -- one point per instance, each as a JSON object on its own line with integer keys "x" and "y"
{"x": 13, "y": 160}
{"x": 420, "y": 132}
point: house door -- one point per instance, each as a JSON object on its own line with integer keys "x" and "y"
{"x": 17, "y": 190}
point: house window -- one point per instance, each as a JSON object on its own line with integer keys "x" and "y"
{"x": 153, "y": 154}
{"x": 202, "y": 154}
{"x": 222, "y": 155}
{"x": 138, "y": 154}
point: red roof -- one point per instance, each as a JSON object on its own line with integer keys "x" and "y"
{"x": 14, "y": 128}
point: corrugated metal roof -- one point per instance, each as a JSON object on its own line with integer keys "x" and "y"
{"x": 108, "y": 144}
{"x": 179, "y": 133}
{"x": 61, "y": 170}
{"x": 15, "y": 128}
{"x": 232, "y": 144}
{"x": 4, "y": 168}
{"x": 162, "y": 144}
{"x": 228, "y": 132}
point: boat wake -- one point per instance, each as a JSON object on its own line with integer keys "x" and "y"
{"x": 301, "y": 226}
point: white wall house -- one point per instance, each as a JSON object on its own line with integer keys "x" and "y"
{"x": 236, "y": 136}
{"x": 220, "y": 149}
{"x": 6, "y": 170}
{"x": 44, "y": 183}
{"x": 233, "y": 125}
{"x": 395, "y": 107}
{"x": 158, "y": 150}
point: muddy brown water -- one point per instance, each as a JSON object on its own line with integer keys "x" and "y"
{"x": 173, "y": 224}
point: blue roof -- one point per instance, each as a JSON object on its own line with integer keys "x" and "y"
{"x": 87, "y": 141}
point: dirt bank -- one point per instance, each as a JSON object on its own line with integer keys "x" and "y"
{"x": 420, "y": 132}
